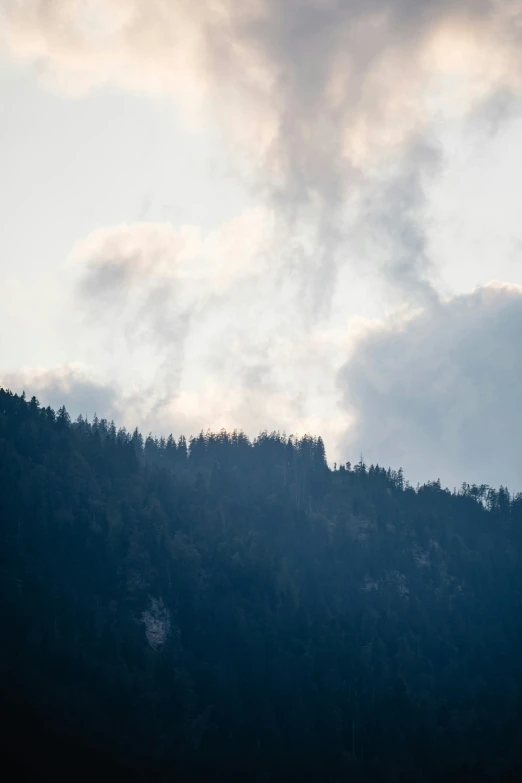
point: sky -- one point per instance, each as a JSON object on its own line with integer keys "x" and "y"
{"x": 298, "y": 216}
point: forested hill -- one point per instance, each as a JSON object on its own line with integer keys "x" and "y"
{"x": 232, "y": 610}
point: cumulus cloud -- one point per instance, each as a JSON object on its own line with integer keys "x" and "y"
{"x": 438, "y": 391}
{"x": 318, "y": 94}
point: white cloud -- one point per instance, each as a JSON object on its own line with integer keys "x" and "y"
{"x": 313, "y": 96}
{"x": 143, "y": 287}
{"x": 115, "y": 258}
{"x": 438, "y": 391}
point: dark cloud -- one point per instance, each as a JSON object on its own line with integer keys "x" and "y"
{"x": 439, "y": 392}
{"x": 394, "y": 224}
{"x": 503, "y": 106}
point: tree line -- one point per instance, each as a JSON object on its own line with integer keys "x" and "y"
{"x": 224, "y": 608}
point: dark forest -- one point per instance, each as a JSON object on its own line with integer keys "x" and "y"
{"x": 225, "y": 609}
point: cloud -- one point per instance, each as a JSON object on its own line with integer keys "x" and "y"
{"x": 72, "y": 385}
{"x": 435, "y": 390}
{"x": 393, "y": 229}
{"x": 314, "y": 97}
{"x": 330, "y": 111}
{"x": 213, "y": 403}
{"x": 145, "y": 286}
{"x": 438, "y": 391}
{"x": 117, "y": 258}
{"x": 301, "y": 75}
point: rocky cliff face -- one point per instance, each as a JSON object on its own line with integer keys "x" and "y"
{"x": 157, "y": 623}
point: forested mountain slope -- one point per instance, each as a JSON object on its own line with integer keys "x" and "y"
{"x": 233, "y": 610}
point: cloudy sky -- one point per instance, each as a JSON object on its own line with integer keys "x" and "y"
{"x": 300, "y": 215}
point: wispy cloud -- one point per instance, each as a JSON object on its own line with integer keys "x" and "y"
{"x": 145, "y": 285}
{"x": 316, "y": 95}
